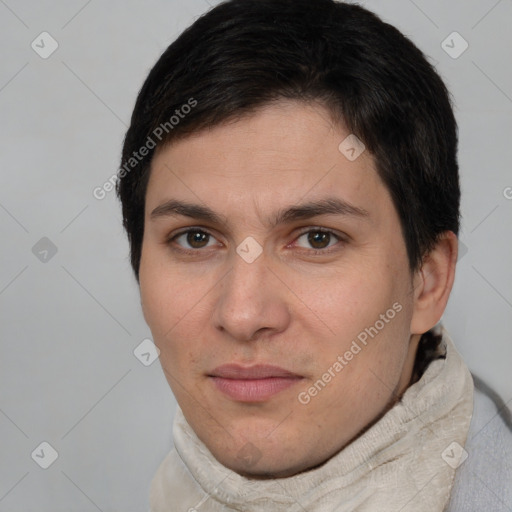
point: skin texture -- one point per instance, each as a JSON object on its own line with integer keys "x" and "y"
{"x": 291, "y": 307}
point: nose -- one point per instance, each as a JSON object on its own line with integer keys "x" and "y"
{"x": 251, "y": 301}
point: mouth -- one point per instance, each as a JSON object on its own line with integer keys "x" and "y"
{"x": 256, "y": 383}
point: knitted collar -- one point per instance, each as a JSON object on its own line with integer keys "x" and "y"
{"x": 405, "y": 462}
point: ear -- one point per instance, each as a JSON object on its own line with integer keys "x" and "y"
{"x": 433, "y": 283}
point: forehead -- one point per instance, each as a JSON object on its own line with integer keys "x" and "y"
{"x": 282, "y": 154}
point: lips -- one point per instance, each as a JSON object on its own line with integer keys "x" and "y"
{"x": 256, "y": 383}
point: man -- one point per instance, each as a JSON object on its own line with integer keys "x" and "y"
{"x": 289, "y": 185}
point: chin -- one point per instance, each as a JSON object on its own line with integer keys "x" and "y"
{"x": 263, "y": 456}
{"x": 265, "y": 468}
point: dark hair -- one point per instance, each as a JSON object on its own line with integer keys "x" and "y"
{"x": 245, "y": 54}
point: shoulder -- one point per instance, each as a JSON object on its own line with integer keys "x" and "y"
{"x": 484, "y": 479}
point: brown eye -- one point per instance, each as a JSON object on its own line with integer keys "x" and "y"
{"x": 192, "y": 239}
{"x": 318, "y": 239}
{"x": 197, "y": 239}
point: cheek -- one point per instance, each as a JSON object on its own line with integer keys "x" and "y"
{"x": 168, "y": 300}
{"x": 369, "y": 374}
{"x": 367, "y": 314}
{"x": 348, "y": 301}
{"x": 171, "y": 312}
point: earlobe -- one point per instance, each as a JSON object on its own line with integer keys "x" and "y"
{"x": 433, "y": 283}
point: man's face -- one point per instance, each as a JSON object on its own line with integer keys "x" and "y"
{"x": 327, "y": 302}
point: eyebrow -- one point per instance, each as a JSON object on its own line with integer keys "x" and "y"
{"x": 328, "y": 206}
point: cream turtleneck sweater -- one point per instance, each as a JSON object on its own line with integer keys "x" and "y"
{"x": 405, "y": 462}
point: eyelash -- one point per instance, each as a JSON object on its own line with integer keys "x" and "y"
{"x": 341, "y": 239}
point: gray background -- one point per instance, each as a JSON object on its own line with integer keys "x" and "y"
{"x": 70, "y": 321}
